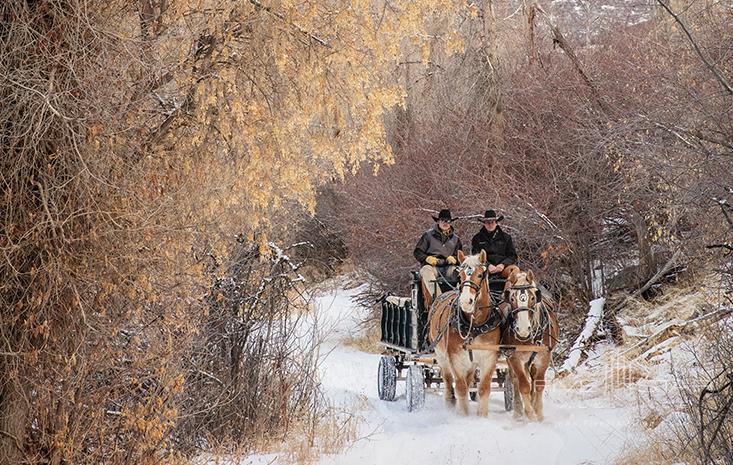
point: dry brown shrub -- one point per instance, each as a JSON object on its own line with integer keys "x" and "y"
{"x": 251, "y": 373}
{"x": 303, "y": 445}
{"x": 689, "y": 420}
{"x": 367, "y": 339}
{"x": 338, "y": 430}
{"x": 647, "y": 454}
{"x": 623, "y": 376}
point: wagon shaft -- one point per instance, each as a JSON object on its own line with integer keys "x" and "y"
{"x": 507, "y": 348}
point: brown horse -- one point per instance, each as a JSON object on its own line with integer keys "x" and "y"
{"x": 531, "y": 321}
{"x": 469, "y": 305}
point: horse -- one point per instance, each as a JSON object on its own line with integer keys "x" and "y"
{"x": 469, "y": 305}
{"x": 531, "y": 320}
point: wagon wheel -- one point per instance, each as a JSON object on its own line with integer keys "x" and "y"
{"x": 387, "y": 378}
{"x": 508, "y": 392}
{"x": 414, "y": 388}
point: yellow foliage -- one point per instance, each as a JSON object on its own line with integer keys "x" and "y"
{"x": 425, "y": 52}
{"x": 454, "y": 43}
{"x": 300, "y": 98}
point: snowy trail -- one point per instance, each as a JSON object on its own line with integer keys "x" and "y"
{"x": 580, "y": 427}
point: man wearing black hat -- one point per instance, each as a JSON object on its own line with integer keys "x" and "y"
{"x": 437, "y": 252}
{"x": 498, "y": 246}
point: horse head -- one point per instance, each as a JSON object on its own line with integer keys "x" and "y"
{"x": 523, "y": 295}
{"x": 471, "y": 271}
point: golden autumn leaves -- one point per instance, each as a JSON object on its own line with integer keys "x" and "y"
{"x": 294, "y": 94}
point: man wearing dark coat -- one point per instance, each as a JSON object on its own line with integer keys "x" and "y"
{"x": 437, "y": 252}
{"x": 497, "y": 244}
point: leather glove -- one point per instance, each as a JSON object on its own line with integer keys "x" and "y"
{"x": 451, "y": 260}
{"x": 431, "y": 261}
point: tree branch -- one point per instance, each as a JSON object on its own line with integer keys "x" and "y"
{"x": 560, "y": 40}
{"x": 722, "y": 415}
{"x": 710, "y": 66}
{"x": 667, "y": 266}
{"x": 280, "y": 16}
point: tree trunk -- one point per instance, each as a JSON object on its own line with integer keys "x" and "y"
{"x": 490, "y": 52}
{"x": 646, "y": 258}
{"x": 13, "y": 420}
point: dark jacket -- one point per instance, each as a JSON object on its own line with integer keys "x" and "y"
{"x": 434, "y": 243}
{"x": 497, "y": 244}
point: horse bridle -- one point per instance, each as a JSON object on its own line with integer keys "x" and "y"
{"x": 513, "y": 312}
{"x": 477, "y": 287}
{"x": 473, "y": 285}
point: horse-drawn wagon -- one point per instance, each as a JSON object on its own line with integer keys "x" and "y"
{"x": 465, "y": 340}
{"x": 408, "y": 354}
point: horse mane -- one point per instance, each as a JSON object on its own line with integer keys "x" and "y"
{"x": 521, "y": 278}
{"x": 472, "y": 260}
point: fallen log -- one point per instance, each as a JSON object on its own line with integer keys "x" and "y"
{"x": 583, "y": 341}
{"x": 674, "y": 328}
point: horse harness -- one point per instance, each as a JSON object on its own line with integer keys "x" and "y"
{"x": 465, "y": 326}
{"x": 535, "y": 338}
{"x": 457, "y": 319}
{"x": 445, "y": 327}
{"x": 469, "y": 332}
{"x": 467, "y": 329}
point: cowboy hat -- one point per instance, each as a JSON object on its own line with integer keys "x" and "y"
{"x": 444, "y": 215}
{"x": 491, "y": 215}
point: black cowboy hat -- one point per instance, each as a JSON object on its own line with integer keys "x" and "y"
{"x": 491, "y": 215}
{"x": 444, "y": 215}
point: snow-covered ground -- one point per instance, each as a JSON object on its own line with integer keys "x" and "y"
{"x": 583, "y": 425}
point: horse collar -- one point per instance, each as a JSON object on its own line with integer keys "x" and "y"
{"x": 466, "y": 326}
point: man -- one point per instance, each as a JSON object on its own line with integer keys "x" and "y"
{"x": 437, "y": 252}
{"x": 497, "y": 244}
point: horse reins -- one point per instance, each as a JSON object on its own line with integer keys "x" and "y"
{"x": 445, "y": 280}
{"x": 448, "y": 321}
{"x": 442, "y": 331}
